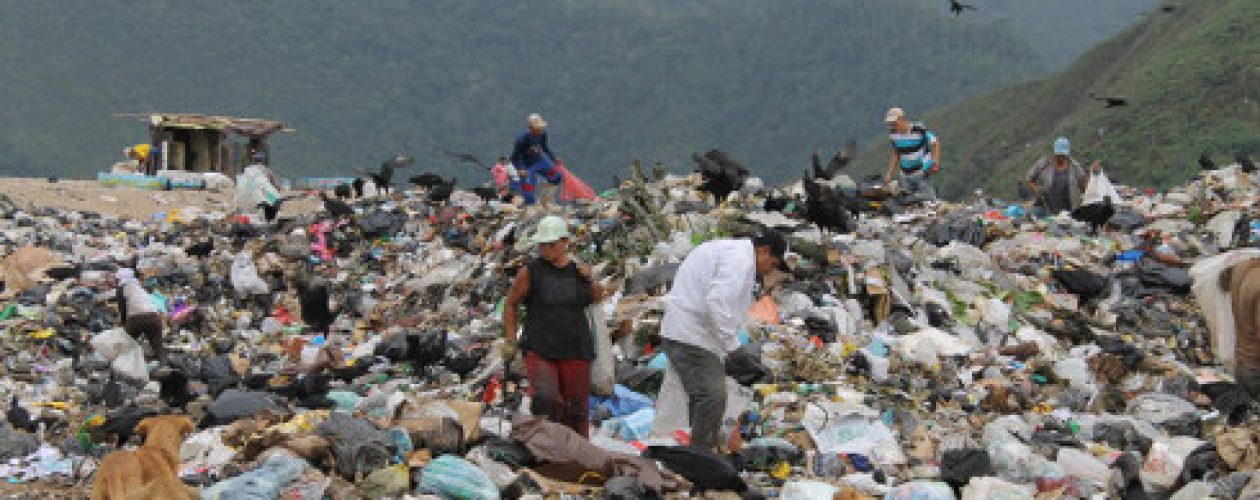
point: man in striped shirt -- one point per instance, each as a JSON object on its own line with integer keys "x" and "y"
{"x": 916, "y": 151}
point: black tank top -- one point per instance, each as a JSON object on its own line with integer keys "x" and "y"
{"x": 555, "y": 312}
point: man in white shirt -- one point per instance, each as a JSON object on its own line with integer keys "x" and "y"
{"x": 706, "y": 305}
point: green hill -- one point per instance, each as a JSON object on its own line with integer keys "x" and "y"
{"x": 617, "y": 79}
{"x": 1192, "y": 79}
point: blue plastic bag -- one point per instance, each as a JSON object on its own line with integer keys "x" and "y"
{"x": 457, "y": 479}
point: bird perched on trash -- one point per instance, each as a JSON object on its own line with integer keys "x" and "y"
{"x": 1096, "y": 214}
{"x": 343, "y": 191}
{"x": 19, "y": 417}
{"x": 841, "y": 159}
{"x": 335, "y": 207}
{"x": 957, "y": 7}
{"x": 357, "y": 185}
{"x": 270, "y": 210}
{"x": 441, "y": 193}
{"x": 426, "y": 180}
{"x": 826, "y": 207}
{"x": 201, "y": 249}
{"x": 173, "y": 387}
{"x": 776, "y": 201}
{"x": 1205, "y": 162}
{"x": 385, "y": 177}
{"x": 1245, "y": 162}
{"x": 721, "y": 176}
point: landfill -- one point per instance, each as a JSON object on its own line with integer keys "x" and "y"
{"x": 920, "y": 350}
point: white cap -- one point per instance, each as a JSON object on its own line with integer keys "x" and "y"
{"x": 536, "y": 121}
{"x": 893, "y": 115}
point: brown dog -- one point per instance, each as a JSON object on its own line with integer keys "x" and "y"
{"x": 123, "y": 472}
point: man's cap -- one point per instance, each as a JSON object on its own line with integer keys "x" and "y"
{"x": 778, "y": 246}
{"x": 536, "y": 120}
{"x": 1062, "y": 146}
{"x": 893, "y": 115}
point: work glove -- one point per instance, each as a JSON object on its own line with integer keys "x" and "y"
{"x": 508, "y": 350}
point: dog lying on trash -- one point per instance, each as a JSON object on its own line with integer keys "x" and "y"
{"x": 150, "y": 471}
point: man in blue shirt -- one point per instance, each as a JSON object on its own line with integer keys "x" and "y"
{"x": 915, "y": 150}
{"x": 533, "y": 158}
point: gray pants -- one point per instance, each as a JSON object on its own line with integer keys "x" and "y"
{"x": 916, "y": 182}
{"x": 704, "y": 379}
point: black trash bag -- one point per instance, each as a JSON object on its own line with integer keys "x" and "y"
{"x": 235, "y": 404}
{"x": 510, "y": 452}
{"x": 706, "y": 470}
{"x": 626, "y": 488}
{"x": 1201, "y": 464}
{"x": 937, "y": 316}
{"x": 1129, "y": 354}
{"x": 358, "y": 446}
{"x": 1126, "y": 220}
{"x": 762, "y": 456}
{"x": 219, "y": 375}
{"x": 823, "y": 328}
{"x": 1130, "y": 486}
{"x": 464, "y": 361}
{"x": 393, "y": 348}
{"x": 959, "y": 466}
{"x": 1081, "y": 282}
{"x": 1172, "y": 279}
{"x": 426, "y": 349}
{"x": 744, "y": 365}
{"x": 1232, "y": 400}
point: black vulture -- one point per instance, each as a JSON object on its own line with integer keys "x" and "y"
{"x": 826, "y": 207}
{"x": 1112, "y": 102}
{"x": 1096, "y": 214}
{"x": 173, "y": 387}
{"x": 343, "y": 191}
{"x": 441, "y": 193}
{"x": 957, "y": 7}
{"x": 1245, "y": 162}
{"x": 1205, "y": 162}
{"x": 426, "y": 180}
{"x": 335, "y": 207}
{"x": 201, "y": 249}
{"x": 841, "y": 159}
{"x": 19, "y": 418}
{"x": 486, "y": 193}
{"x": 721, "y": 175}
{"x": 357, "y": 185}
{"x": 385, "y": 177}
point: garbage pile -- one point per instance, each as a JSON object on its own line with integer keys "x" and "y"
{"x": 919, "y": 349}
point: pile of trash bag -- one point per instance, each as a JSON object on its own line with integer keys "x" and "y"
{"x": 925, "y": 349}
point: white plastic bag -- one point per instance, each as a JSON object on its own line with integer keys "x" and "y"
{"x": 1166, "y": 459}
{"x": 244, "y": 276}
{"x": 990, "y": 488}
{"x": 1100, "y": 187}
{"x": 125, "y": 356}
{"x": 604, "y": 367}
{"x": 807, "y": 490}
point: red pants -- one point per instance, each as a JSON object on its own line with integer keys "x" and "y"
{"x": 561, "y": 390}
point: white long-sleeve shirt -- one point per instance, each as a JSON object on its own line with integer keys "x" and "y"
{"x": 711, "y": 294}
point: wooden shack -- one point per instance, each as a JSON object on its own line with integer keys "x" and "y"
{"x": 207, "y": 143}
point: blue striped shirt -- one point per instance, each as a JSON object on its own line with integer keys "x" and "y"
{"x": 912, "y": 148}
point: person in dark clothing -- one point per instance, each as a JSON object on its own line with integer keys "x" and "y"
{"x": 557, "y": 339}
{"x": 533, "y": 159}
{"x": 1058, "y": 182}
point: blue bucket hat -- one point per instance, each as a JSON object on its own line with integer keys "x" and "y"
{"x": 1062, "y": 146}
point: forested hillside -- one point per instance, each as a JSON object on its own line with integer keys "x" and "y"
{"x": 617, "y": 79}
{"x": 1191, "y": 80}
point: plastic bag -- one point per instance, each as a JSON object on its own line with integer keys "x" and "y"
{"x": 671, "y": 404}
{"x": 244, "y": 276}
{"x": 604, "y": 367}
{"x": 992, "y": 488}
{"x": 1083, "y": 465}
{"x": 388, "y": 482}
{"x": 1100, "y": 187}
{"x": 1166, "y": 459}
{"x": 705, "y": 469}
{"x": 125, "y": 356}
{"x": 574, "y": 188}
{"x": 455, "y": 478}
{"x": 921, "y": 490}
{"x": 807, "y": 490}
{"x": 263, "y": 483}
